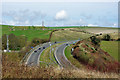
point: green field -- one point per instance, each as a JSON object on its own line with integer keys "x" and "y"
{"x": 111, "y": 47}
{"x": 61, "y": 35}
{"x": 29, "y": 33}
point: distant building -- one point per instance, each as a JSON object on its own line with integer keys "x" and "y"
{"x": 42, "y": 23}
{"x": 43, "y": 27}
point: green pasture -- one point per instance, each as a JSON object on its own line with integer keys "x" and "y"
{"x": 111, "y": 47}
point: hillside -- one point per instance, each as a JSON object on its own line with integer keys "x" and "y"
{"x": 69, "y": 34}
{"x": 12, "y": 69}
{"x": 94, "y": 57}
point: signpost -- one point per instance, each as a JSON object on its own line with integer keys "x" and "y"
{"x": 7, "y": 44}
{"x": 50, "y": 47}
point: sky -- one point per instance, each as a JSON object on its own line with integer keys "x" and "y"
{"x": 54, "y": 13}
{"x": 60, "y": 0}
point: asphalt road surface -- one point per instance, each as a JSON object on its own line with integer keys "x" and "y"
{"x": 33, "y": 59}
{"x": 61, "y": 58}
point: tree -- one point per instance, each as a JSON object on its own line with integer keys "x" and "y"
{"x": 29, "y": 27}
{"x": 107, "y": 37}
{"x": 4, "y": 41}
{"x": 33, "y": 27}
{"x": 95, "y": 41}
{"x": 15, "y": 42}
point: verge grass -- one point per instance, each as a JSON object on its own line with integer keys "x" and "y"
{"x": 69, "y": 56}
{"x": 47, "y": 58}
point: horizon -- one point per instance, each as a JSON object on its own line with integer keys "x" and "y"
{"x": 56, "y": 26}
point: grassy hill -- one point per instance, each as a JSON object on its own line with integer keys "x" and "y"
{"x": 26, "y": 31}
{"x": 67, "y": 34}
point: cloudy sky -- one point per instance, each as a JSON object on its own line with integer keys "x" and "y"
{"x": 60, "y": 13}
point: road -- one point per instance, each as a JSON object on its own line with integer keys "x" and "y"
{"x": 61, "y": 58}
{"x": 33, "y": 59}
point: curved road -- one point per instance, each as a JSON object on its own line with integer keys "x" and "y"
{"x": 61, "y": 58}
{"x": 33, "y": 59}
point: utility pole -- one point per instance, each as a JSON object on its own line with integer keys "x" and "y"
{"x": 7, "y": 44}
{"x": 50, "y": 47}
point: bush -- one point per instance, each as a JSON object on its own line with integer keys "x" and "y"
{"x": 100, "y": 33}
{"x": 107, "y": 37}
{"x": 95, "y": 41}
{"x": 118, "y": 39}
{"x": 82, "y": 56}
{"x": 91, "y": 61}
{"x": 97, "y": 34}
{"x": 37, "y": 41}
{"x": 93, "y": 48}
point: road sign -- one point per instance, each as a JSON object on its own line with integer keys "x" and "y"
{"x": 73, "y": 42}
{"x": 31, "y": 47}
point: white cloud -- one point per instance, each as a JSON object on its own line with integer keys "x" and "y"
{"x": 114, "y": 25}
{"x": 91, "y": 25}
{"x": 11, "y": 22}
{"x": 27, "y": 22}
{"x": 81, "y": 20}
{"x": 61, "y": 15}
{"x": 26, "y": 17}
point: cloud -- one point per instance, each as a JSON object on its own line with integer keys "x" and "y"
{"x": 114, "y": 25}
{"x": 61, "y": 15}
{"x": 23, "y": 17}
{"x": 91, "y": 25}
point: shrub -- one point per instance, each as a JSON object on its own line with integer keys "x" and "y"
{"x": 37, "y": 41}
{"x": 107, "y": 37}
{"x": 87, "y": 45}
{"x": 93, "y": 48}
{"x": 83, "y": 56}
{"x": 100, "y": 33}
{"x": 97, "y": 34}
{"x": 118, "y": 39}
{"x": 91, "y": 61}
{"x": 95, "y": 41}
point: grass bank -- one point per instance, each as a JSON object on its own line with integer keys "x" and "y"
{"x": 48, "y": 58}
{"x": 65, "y": 35}
{"x": 69, "y": 56}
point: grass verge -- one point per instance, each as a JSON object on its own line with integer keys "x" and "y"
{"x": 69, "y": 56}
{"x": 47, "y": 58}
